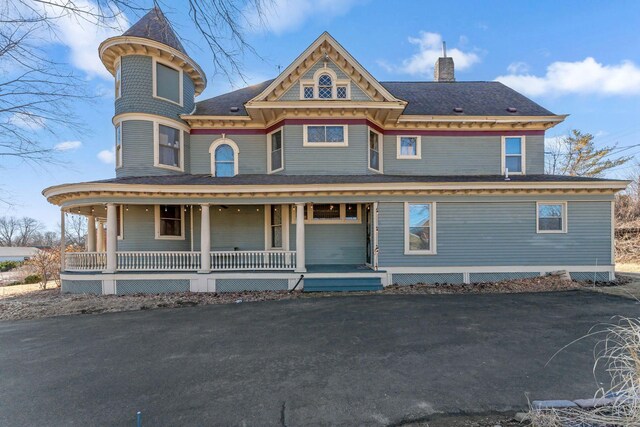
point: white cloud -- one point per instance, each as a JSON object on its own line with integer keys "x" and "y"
{"x": 27, "y": 121}
{"x": 82, "y": 35}
{"x": 581, "y": 77}
{"x": 67, "y": 145}
{"x": 429, "y": 50}
{"x": 107, "y": 156}
{"x": 281, "y": 16}
{"x": 518, "y": 68}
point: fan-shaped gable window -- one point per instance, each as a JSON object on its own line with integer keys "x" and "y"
{"x": 224, "y": 158}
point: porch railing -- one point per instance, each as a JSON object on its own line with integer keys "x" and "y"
{"x": 158, "y": 261}
{"x": 85, "y": 261}
{"x": 253, "y": 260}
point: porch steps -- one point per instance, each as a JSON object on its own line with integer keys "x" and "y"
{"x": 346, "y": 284}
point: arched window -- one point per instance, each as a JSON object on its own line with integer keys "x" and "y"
{"x": 224, "y": 158}
{"x": 325, "y": 86}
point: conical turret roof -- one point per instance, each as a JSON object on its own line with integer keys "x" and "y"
{"x": 155, "y": 26}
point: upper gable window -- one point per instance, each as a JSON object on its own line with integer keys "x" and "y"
{"x": 224, "y": 158}
{"x": 325, "y": 136}
{"x": 167, "y": 82}
{"x": 513, "y": 154}
{"x": 324, "y": 85}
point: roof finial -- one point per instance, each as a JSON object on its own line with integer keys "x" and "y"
{"x": 444, "y": 49}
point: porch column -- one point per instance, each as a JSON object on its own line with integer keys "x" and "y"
{"x": 205, "y": 239}
{"x": 300, "y": 265}
{"x": 112, "y": 238}
{"x": 63, "y": 243}
{"x": 91, "y": 233}
{"x": 100, "y": 237}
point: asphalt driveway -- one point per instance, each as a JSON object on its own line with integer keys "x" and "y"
{"x": 349, "y": 360}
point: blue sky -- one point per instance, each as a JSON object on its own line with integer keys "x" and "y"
{"x": 573, "y": 57}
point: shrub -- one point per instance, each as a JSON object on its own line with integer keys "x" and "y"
{"x": 8, "y": 265}
{"x": 32, "y": 278}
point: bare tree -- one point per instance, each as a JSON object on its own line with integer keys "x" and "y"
{"x": 37, "y": 94}
{"x": 628, "y": 203}
{"x": 75, "y": 230}
{"x": 8, "y": 230}
{"x": 46, "y": 263}
{"x": 28, "y": 229}
{"x": 577, "y": 155}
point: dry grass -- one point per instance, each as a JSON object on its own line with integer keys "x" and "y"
{"x": 618, "y": 353}
{"x": 628, "y": 267}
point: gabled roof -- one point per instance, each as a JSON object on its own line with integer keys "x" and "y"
{"x": 475, "y": 99}
{"x": 155, "y": 26}
{"x": 423, "y": 98}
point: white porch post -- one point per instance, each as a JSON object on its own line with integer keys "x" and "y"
{"x": 112, "y": 238}
{"x": 300, "y": 261}
{"x": 91, "y": 233}
{"x": 205, "y": 239}
{"x": 100, "y": 237}
{"x": 63, "y": 243}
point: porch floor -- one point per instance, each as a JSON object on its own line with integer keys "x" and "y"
{"x": 338, "y": 268}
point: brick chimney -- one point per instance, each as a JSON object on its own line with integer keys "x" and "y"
{"x": 443, "y": 70}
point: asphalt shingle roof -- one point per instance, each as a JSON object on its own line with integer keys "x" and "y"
{"x": 155, "y": 26}
{"x": 424, "y": 98}
{"x": 249, "y": 179}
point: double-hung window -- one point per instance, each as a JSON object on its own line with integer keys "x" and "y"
{"x": 409, "y": 147}
{"x": 513, "y": 154}
{"x": 169, "y": 222}
{"x": 276, "y": 152}
{"x": 118, "y": 88}
{"x": 118, "y": 145}
{"x": 169, "y": 147}
{"x": 375, "y": 151}
{"x": 276, "y": 227}
{"x": 419, "y": 228}
{"x": 325, "y": 136}
{"x": 551, "y": 217}
{"x": 325, "y": 87}
{"x": 224, "y": 158}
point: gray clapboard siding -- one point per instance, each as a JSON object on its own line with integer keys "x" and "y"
{"x": 138, "y": 151}
{"x": 482, "y": 234}
{"x": 333, "y": 243}
{"x": 137, "y": 90}
{"x": 139, "y": 232}
{"x": 301, "y": 160}
{"x": 252, "y": 158}
{"x": 231, "y": 229}
{"x": 293, "y": 94}
{"x": 460, "y": 155}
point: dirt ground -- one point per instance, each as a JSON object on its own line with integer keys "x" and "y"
{"x": 28, "y": 302}
{"x": 628, "y": 267}
{"x": 501, "y": 420}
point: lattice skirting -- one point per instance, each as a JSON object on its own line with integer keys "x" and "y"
{"x": 81, "y": 287}
{"x": 585, "y": 276}
{"x": 237, "y": 285}
{"x": 496, "y": 277}
{"x": 427, "y": 278}
{"x": 124, "y": 287}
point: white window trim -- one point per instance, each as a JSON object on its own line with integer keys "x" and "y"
{"x": 157, "y": 224}
{"x": 565, "y": 217}
{"x": 433, "y": 234}
{"x": 418, "y": 148}
{"x": 380, "y": 152}
{"x": 334, "y": 89}
{"x": 156, "y": 144}
{"x": 342, "y": 220}
{"x": 118, "y": 152}
{"x": 121, "y": 230}
{"x": 306, "y": 143}
{"x": 285, "y": 228}
{"x": 212, "y": 153}
{"x": 523, "y": 149}
{"x": 118, "y": 83}
{"x": 269, "y": 170}
{"x": 155, "y": 80}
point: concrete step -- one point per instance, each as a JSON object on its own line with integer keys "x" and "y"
{"x": 344, "y": 284}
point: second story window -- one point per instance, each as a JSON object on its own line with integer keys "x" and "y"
{"x": 169, "y": 147}
{"x": 118, "y": 88}
{"x": 513, "y": 154}
{"x": 375, "y": 145}
{"x": 224, "y": 158}
{"x": 325, "y": 136}
{"x": 325, "y": 87}
{"x": 118, "y": 145}
{"x": 409, "y": 147}
{"x": 167, "y": 82}
{"x": 276, "y": 153}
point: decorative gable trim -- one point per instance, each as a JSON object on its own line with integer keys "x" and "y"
{"x": 327, "y": 46}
